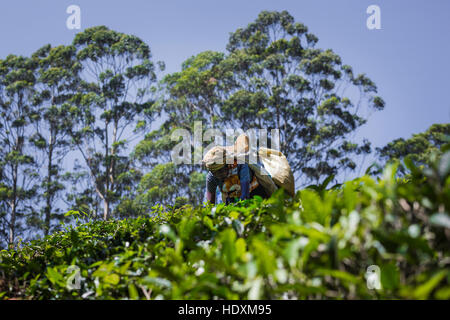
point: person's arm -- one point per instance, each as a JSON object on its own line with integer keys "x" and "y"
{"x": 244, "y": 178}
{"x": 211, "y": 197}
{"x": 211, "y": 185}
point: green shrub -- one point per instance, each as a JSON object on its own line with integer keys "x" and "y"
{"x": 315, "y": 246}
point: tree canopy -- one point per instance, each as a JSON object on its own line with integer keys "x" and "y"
{"x": 418, "y": 148}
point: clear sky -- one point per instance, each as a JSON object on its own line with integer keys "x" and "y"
{"x": 408, "y": 58}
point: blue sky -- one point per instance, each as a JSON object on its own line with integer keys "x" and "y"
{"x": 408, "y": 58}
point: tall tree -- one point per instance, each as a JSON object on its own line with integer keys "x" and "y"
{"x": 191, "y": 95}
{"x": 79, "y": 193}
{"x": 57, "y": 81}
{"x": 419, "y": 147}
{"x": 119, "y": 79}
{"x": 17, "y": 170}
{"x": 160, "y": 186}
{"x": 272, "y": 77}
{"x": 282, "y": 81}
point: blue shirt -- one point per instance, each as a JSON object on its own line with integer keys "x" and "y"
{"x": 245, "y": 176}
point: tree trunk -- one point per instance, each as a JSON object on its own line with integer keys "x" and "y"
{"x": 105, "y": 209}
{"x": 12, "y": 225}
{"x": 105, "y": 202}
{"x": 49, "y": 195}
{"x": 108, "y": 164}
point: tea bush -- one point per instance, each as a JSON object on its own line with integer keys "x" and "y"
{"x": 318, "y": 245}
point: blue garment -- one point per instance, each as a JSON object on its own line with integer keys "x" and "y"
{"x": 245, "y": 176}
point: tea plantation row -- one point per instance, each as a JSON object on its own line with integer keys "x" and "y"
{"x": 318, "y": 245}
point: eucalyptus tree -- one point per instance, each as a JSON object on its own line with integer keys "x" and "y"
{"x": 419, "y": 148}
{"x": 57, "y": 82}
{"x": 193, "y": 94}
{"x": 282, "y": 81}
{"x": 188, "y": 96}
{"x": 117, "y": 98}
{"x": 18, "y": 175}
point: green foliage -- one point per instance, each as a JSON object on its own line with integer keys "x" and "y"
{"x": 99, "y": 94}
{"x": 115, "y": 97}
{"x": 418, "y": 148}
{"x": 18, "y": 174}
{"x": 317, "y": 245}
{"x": 278, "y": 78}
{"x": 159, "y": 185}
{"x": 57, "y": 82}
